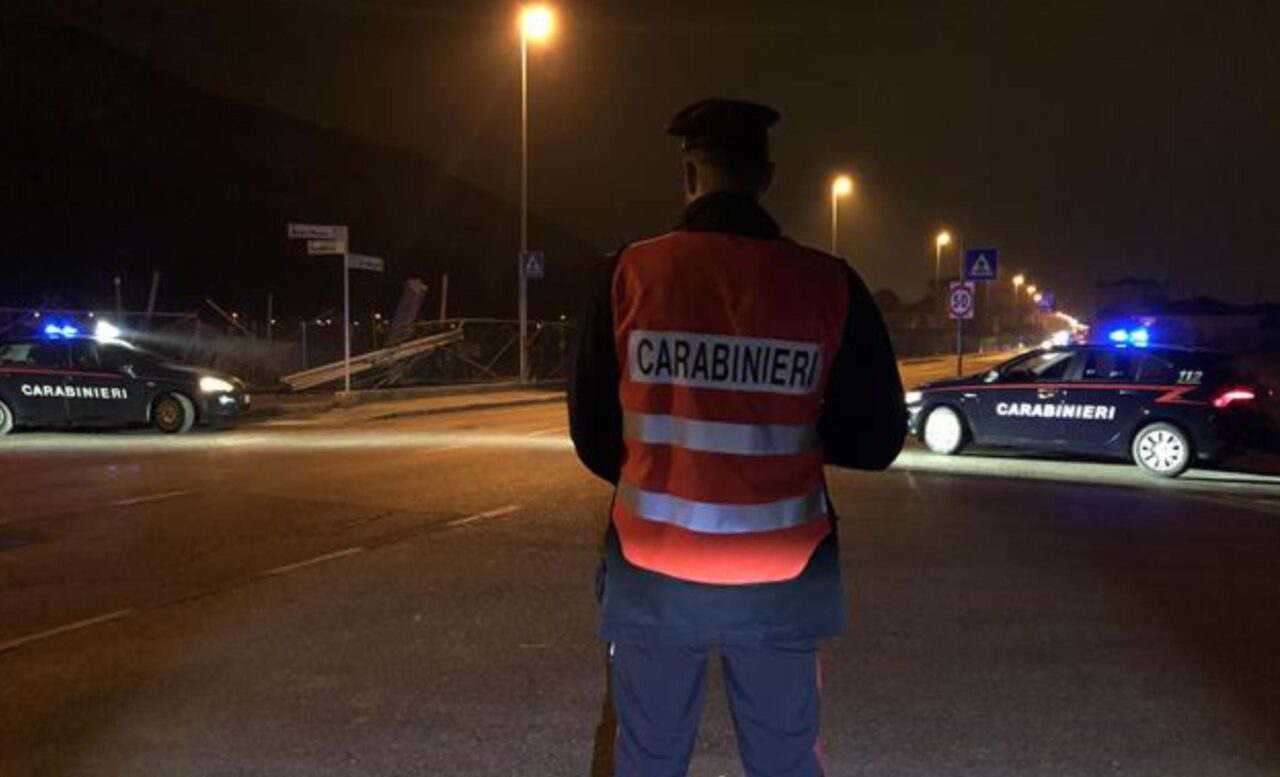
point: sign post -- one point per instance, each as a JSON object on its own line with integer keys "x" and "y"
{"x": 960, "y": 305}
{"x": 329, "y": 240}
{"x": 532, "y": 265}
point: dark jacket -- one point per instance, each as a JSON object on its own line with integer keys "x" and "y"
{"x": 863, "y": 426}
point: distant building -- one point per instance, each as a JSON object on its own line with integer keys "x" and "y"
{"x": 1202, "y": 322}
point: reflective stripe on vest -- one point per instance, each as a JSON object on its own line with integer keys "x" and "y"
{"x": 719, "y": 436}
{"x": 718, "y": 518}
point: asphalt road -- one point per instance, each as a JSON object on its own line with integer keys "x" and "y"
{"x": 413, "y": 596}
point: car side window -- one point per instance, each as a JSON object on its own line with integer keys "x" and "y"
{"x": 1103, "y": 365}
{"x": 84, "y": 356}
{"x": 1157, "y": 369}
{"x": 49, "y": 356}
{"x": 113, "y": 358}
{"x": 1044, "y": 367}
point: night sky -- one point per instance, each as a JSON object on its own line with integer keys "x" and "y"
{"x": 1086, "y": 140}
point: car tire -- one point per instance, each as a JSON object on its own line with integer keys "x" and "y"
{"x": 945, "y": 431}
{"x": 1162, "y": 449}
{"x": 173, "y": 414}
{"x": 6, "y": 419}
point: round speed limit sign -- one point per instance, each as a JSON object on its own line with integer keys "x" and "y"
{"x": 960, "y": 300}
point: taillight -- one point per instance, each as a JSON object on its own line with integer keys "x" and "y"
{"x": 1232, "y": 396}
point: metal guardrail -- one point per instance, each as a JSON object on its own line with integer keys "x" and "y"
{"x": 384, "y": 358}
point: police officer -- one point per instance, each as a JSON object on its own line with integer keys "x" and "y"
{"x": 721, "y": 366}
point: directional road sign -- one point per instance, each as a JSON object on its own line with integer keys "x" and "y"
{"x": 981, "y": 264}
{"x": 960, "y": 300}
{"x": 326, "y": 247}
{"x": 317, "y": 232}
{"x": 362, "y": 262}
{"x": 533, "y": 264}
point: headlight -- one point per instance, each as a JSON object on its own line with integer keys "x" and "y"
{"x": 915, "y": 397}
{"x": 212, "y": 385}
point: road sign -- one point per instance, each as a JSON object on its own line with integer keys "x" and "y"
{"x": 362, "y": 262}
{"x": 317, "y": 232}
{"x": 1048, "y": 301}
{"x": 960, "y": 301}
{"x": 326, "y": 247}
{"x": 533, "y": 264}
{"x": 981, "y": 264}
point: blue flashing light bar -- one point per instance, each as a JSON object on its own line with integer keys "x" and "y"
{"x": 1138, "y": 337}
{"x": 54, "y": 331}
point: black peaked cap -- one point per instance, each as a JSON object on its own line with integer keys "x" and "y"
{"x": 734, "y": 126}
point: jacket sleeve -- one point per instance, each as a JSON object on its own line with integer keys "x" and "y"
{"x": 595, "y": 411}
{"x": 864, "y": 415}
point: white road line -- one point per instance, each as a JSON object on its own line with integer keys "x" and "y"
{"x": 14, "y": 644}
{"x": 149, "y": 498}
{"x": 541, "y": 432}
{"x": 313, "y": 561}
{"x": 501, "y": 511}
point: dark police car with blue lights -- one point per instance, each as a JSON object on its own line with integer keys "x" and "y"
{"x": 64, "y": 379}
{"x": 1164, "y": 408}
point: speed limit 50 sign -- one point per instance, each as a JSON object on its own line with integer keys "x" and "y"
{"x": 960, "y": 300}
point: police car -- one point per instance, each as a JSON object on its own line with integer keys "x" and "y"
{"x": 65, "y": 379}
{"x": 1162, "y": 408}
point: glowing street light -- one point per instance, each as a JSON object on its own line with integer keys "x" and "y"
{"x": 537, "y": 25}
{"x": 940, "y": 242}
{"x": 1018, "y": 280}
{"x": 1031, "y": 290}
{"x": 841, "y": 186}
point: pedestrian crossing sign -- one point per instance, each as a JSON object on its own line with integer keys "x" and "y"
{"x": 981, "y": 264}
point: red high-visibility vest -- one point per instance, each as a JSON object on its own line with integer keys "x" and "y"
{"x": 725, "y": 343}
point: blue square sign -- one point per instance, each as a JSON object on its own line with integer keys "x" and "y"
{"x": 981, "y": 264}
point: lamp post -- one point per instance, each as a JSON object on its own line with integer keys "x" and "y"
{"x": 941, "y": 241}
{"x": 842, "y": 186}
{"x": 537, "y": 23}
{"x": 1018, "y": 280}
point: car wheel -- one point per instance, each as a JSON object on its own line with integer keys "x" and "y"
{"x": 173, "y": 414}
{"x": 944, "y": 431}
{"x": 1162, "y": 449}
{"x": 6, "y": 419}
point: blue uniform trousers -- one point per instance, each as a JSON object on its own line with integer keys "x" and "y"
{"x": 774, "y": 697}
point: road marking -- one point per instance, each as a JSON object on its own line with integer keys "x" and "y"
{"x": 541, "y": 432}
{"x": 14, "y": 644}
{"x": 501, "y": 511}
{"x": 313, "y": 561}
{"x": 145, "y": 499}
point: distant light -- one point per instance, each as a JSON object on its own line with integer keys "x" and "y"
{"x": 105, "y": 330}
{"x": 1119, "y": 336}
{"x": 1031, "y": 290}
{"x": 842, "y": 186}
{"x": 1062, "y": 337}
{"x": 91, "y": 314}
{"x": 35, "y": 314}
{"x": 537, "y": 23}
{"x": 1018, "y": 280}
{"x": 943, "y": 238}
{"x": 1140, "y": 337}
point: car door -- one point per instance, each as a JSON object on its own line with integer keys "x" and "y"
{"x": 98, "y": 391}
{"x": 1019, "y": 407}
{"x": 33, "y": 373}
{"x": 1103, "y": 399}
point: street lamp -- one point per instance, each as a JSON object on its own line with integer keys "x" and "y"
{"x": 941, "y": 241}
{"x": 1031, "y": 290}
{"x": 842, "y": 186}
{"x": 537, "y": 24}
